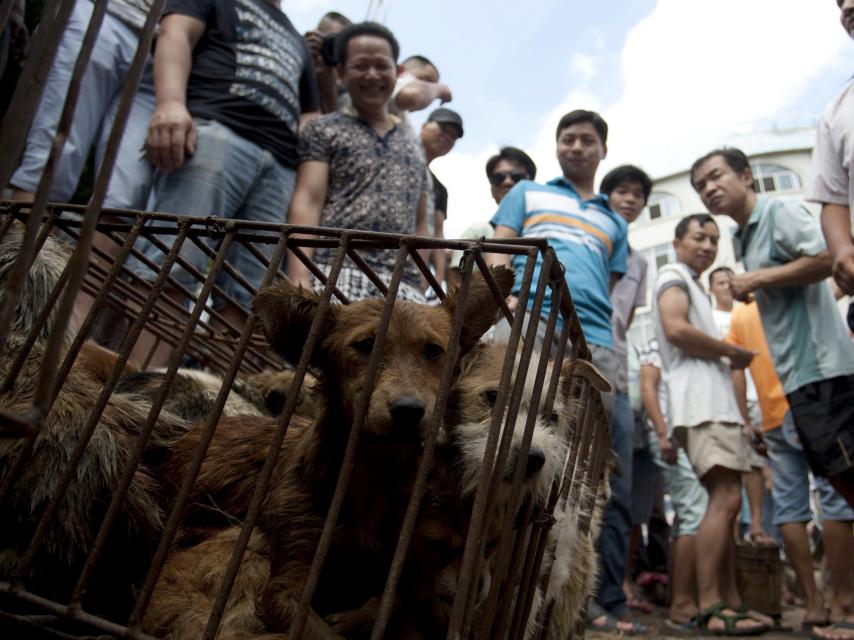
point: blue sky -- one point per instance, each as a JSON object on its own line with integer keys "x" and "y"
{"x": 672, "y": 77}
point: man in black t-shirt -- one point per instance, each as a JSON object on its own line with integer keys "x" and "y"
{"x": 438, "y": 136}
{"x": 233, "y": 81}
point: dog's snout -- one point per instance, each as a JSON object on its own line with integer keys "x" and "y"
{"x": 536, "y": 460}
{"x": 406, "y": 411}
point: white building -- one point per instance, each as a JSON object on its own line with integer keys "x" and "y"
{"x": 780, "y": 158}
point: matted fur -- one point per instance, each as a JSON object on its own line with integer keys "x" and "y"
{"x": 42, "y": 277}
{"x": 192, "y": 393}
{"x": 387, "y": 455}
{"x": 70, "y": 536}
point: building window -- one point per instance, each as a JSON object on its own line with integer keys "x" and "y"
{"x": 661, "y": 205}
{"x": 773, "y": 177}
{"x": 657, "y": 257}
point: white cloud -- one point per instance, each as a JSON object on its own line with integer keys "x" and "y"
{"x": 693, "y": 72}
{"x": 583, "y": 65}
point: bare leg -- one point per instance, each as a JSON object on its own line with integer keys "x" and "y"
{"x": 797, "y": 546}
{"x": 683, "y": 604}
{"x": 838, "y": 544}
{"x": 19, "y": 195}
{"x": 715, "y": 533}
{"x": 754, "y": 486}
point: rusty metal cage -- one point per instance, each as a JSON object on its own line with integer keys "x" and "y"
{"x": 96, "y": 286}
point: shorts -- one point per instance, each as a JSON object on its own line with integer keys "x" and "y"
{"x": 688, "y": 496}
{"x": 228, "y": 177}
{"x": 824, "y": 417}
{"x": 790, "y": 484}
{"x": 713, "y": 444}
{"x": 100, "y": 92}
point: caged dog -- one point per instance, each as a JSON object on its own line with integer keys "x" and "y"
{"x": 192, "y": 393}
{"x": 398, "y": 413}
{"x": 70, "y": 535}
{"x": 573, "y": 575}
{"x": 192, "y": 576}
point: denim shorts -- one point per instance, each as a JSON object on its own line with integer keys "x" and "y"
{"x": 227, "y": 177}
{"x": 790, "y": 481}
{"x": 688, "y": 496}
{"x": 102, "y": 85}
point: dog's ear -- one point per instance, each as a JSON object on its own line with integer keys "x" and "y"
{"x": 286, "y": 313}
{"x": 481, "y": 306}
{"x": 582, "y": 369}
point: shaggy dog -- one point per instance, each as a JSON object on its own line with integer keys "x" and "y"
{"x": 573, "y": 574}
{"x": 273, "y": 387}
{"x": 70, "y": 535}
{"x": 398, "y": 413}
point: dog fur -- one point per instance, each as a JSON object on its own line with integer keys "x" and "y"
{"x": 273, "y": 387}
{"x": 398, "y": 412}
{"x": 69, "y": 537}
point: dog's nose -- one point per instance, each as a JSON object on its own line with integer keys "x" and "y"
{"x": 406, "y": 411}
{"x": 536, "y": 460}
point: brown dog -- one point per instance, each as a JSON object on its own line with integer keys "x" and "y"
{"x": 70, "y": 535}
{"x": 398, "y": 413}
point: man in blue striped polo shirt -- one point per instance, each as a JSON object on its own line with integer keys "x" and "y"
{"x": 591, "y": 242}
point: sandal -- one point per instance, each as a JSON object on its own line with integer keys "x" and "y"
{"x": 730, "y": 621}
{"x": 688, "y": 629}
{"x": 611, "y": 623}
{"x": 773, "y": 623}
{"x": 836, "y": 626}
{"x": 759, "y": 539}
{"x": 636, "y": 603}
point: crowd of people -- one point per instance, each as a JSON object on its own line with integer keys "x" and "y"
{"x": 243, "y": 117}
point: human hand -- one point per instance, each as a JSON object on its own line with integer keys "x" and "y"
{"x": 754, "y": 436}
{"x": 171, "y": 136}
{"x": 744, "y": 284}
{"x": 512, "y": 302}
{"x": 668, "y": 451}
{"x": 739, "y": 358}
{"x": 443, "y": 93}
{"x": 843, "y": 269}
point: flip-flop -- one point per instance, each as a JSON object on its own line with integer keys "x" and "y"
{"x": 611, "y": 623}
{"x": 688, "y": 629}
{"x": 730, "y": 621}
{"x": 836, "y": 626}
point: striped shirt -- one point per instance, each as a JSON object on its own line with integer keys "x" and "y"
{"x": 588, "y": 238}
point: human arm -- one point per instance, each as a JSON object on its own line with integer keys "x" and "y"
{"x": 800, "y": 271}
{"x": 419, "y": 94}
{"x": 836, "y": 224}
{"x": 171, "y": 132}
{"x": 673, "y": 304}
{"x": 501, "y": 233}
{"x": 324, "y": 75}
{"x": 650, "y": 378}
{"x": 305, "y": 209}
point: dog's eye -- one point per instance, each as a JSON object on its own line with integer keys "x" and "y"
{"x": 490, "y": 395}
{"x": 552, "y": 418}
{"x": 364, "y": 346}
{"x": 433, "y": 351}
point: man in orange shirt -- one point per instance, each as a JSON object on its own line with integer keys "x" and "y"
{"x": 790, "y": 481}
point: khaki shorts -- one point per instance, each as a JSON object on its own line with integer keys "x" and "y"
{"x": 713, "y": 444}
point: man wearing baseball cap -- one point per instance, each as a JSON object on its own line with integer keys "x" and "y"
{"x": 438, "y": 136}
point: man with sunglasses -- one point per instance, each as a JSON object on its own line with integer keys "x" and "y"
{"x": 503, "y": 170}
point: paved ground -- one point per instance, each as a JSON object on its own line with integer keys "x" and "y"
{"x": 792, "y": 617}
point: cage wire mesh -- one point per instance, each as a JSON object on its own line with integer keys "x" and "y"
{"x": 95, "y": 300}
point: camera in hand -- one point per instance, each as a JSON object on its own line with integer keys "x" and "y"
{"x": 327, "y": 50}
